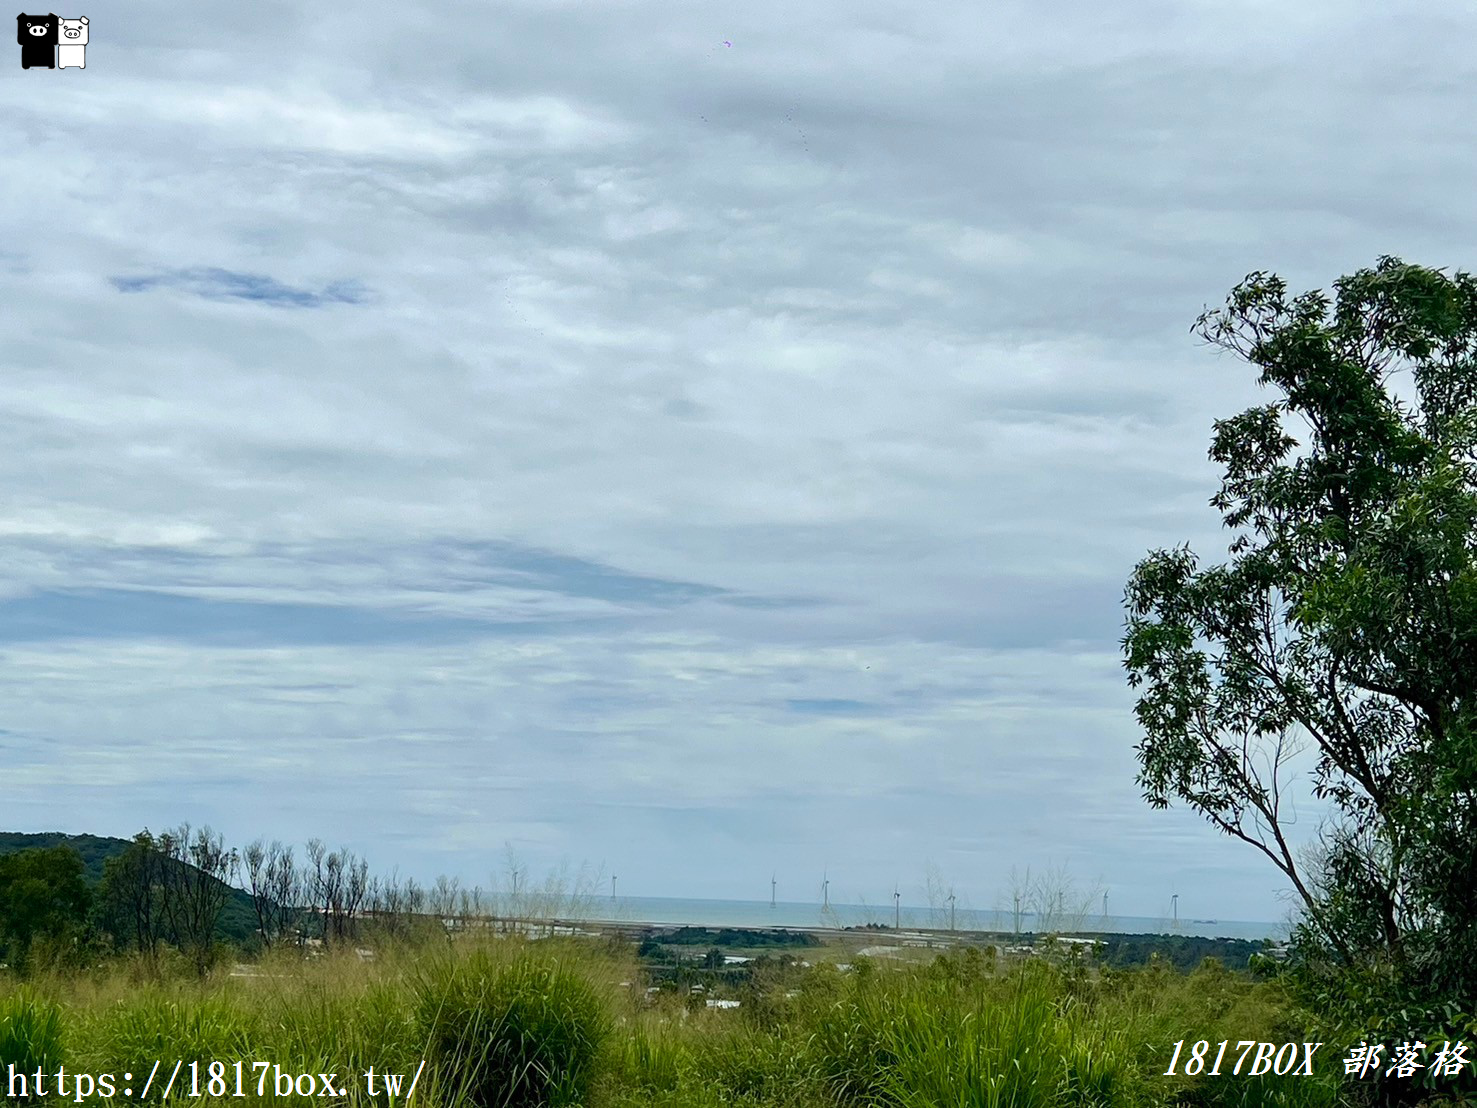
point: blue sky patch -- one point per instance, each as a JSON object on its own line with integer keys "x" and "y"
{"x": 225, "y": 284}
{"x": 147, "y": 614}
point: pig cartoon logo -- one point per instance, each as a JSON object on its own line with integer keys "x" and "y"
{"x": 71, "y": 50}
{"x": 37, "y": 35}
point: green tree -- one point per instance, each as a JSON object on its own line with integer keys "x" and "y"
{"x": 131, "y": 896}
{"x": 1340, "y": 638}
{"x": 43, "y": 899}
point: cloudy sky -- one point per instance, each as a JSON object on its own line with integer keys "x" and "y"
{"x": 694, "y": 440}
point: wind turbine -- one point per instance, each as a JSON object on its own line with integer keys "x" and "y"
{"x": 825, "y": 892}
{"x": 897, "y": 908}
{"x": 1174, "y": 900}
{"x": 612, "y": 886}
{"x": 772, "y": 884}
{"x": 951, "y": 911}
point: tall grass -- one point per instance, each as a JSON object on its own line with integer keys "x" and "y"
{"x": 984, "y": 1043}
{"x": 30, "y": 1034}
{"x": 133, "y": 1032}
{"x": 513, "y": 1023}
{"x": 511, "y": 1033}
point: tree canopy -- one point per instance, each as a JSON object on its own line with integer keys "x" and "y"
{"x": 42, "y": 897}
{"x": 1339, "y": 638}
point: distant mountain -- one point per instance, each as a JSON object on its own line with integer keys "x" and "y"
{"x": 95, "y": 849}
{"x": 238, "y": 920}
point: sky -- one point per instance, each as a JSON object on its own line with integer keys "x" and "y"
{"x": 698, "y": 442}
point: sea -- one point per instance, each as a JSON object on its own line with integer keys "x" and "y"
{"x": 672, "y": 911}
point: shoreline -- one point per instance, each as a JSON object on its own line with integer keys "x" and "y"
{"x": 927, "y": 937}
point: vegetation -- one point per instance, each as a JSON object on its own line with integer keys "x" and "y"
{"x": 520, "y": 1031}
{"x": 1340, "y": 638}
{"x": 236, "y": 922}
{"x": 94, "y": 850}
{"x": 43, "y": 902}
{"x": 747, "y": 938}
{"x": 1178, "y": 951}
{"x": 514, "y": 1021}
{"x": 502, "y": 1013}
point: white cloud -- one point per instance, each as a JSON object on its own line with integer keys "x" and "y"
{"x": 860, "y": 311}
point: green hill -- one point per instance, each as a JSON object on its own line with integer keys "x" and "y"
{"x": 238, "y": 920}
{"x": 95, "y": 849}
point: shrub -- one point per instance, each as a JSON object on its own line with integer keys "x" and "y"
{"x": 519, "y": 1034}
{"x": 30, "y": 1034}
